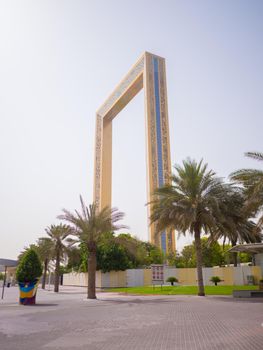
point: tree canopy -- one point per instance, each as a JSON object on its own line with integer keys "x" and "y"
{"x": 29, "y": 268}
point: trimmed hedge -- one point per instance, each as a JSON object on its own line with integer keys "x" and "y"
{"x": 29, "y": 268}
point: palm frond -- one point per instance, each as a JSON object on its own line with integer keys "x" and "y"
{"x": 255, "y": 155}
{"x": 90, "y": 223}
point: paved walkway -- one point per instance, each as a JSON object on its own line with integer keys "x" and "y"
{"x": 69, "y": 321}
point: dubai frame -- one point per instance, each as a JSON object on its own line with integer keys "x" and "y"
{"x": 148, "y": 73}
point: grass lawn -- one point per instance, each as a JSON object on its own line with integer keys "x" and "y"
{"x": 180, "y": 290}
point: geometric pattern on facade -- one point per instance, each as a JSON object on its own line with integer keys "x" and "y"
{"x": 147, "y": 73}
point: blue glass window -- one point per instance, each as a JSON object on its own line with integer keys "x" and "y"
{"x": 163, "y": 241}
{"x": 158, "y": 122}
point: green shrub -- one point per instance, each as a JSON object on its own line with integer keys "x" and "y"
{"x": 215, "y": 280}
{"x": 1, "y": 276}
{"x": 29, "y": 268}
{"x": 172, "y": 280}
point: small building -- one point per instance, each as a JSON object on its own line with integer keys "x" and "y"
{"x": 8, "y": 267}
{"x": 256, "y": 249}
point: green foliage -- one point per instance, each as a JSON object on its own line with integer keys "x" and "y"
{"x": 189, "y": 256}
{"x": 31, "y": 246}
{"x": 57, "y": 239}
{"x": 74, "y": 259}
{"x": 111, "y": 256}
{"x": 1, "y": 276}
{"x": 45, "y": 249}
{"x": 118, "y": 253}
{"x": 252, "y": 182}
{"x": 29, "y": 268}
{"x": 228, "y": 258}
{"x": 175, "y": 259}
{"x": 213, "y": 254}
{"x": 172, "y": 280}
{"x": 89, "y": 224}
{"x": 215, "y": 279}
{"x": 84, "y": 257}
{"x": 141, "y": 254}
{"x": 154, "y": 255}
{"x": 191, "y": 202}
{"x": 62, "y": 270}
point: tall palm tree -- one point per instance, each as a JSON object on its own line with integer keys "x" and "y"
{"x": 235, "y": 224}
{"x": 58, "y": 234}
{"x": 46, "y": 251}
{"x": 89, "y": 225}
{"x": 252, "y": 180}
{"x": 190, "y": 203}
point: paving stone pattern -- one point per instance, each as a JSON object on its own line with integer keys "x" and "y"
{"x": 69, "y": 321}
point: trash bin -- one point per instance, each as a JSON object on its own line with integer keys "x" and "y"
{"x": 8, "y": 284}
{"x": 250, "y": 280}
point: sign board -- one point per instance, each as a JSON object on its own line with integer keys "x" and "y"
{"x": 157, "y": 274}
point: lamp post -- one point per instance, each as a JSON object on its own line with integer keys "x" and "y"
{"x": 3, "y": 290}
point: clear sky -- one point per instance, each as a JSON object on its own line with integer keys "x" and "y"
{"x": 59, "y": 60}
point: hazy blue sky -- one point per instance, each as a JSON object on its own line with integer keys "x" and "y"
{"x": 59, "y": 60}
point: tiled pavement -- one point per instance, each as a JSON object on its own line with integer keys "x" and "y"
{"x": 69, "y": 321}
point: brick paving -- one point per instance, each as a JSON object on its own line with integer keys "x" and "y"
{"x": 69, "y": 321}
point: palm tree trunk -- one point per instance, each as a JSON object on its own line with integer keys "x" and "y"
{"x": 233, "y": 243}
{"x": 198, "y": 251}
{"x": 45, "y": 274}
{"x": 56, "y": 283}
{"x": 92, "y": 265}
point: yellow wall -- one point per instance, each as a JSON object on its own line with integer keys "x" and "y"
{"x": 226, "y": 274}
{"x": 147, "y": 276}
{"x": 187, "y": 276}
{"x": 256, "y": 272}
{"x": 117, "y": 279}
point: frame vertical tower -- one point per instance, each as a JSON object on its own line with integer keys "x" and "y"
{"x": 148, "y": 73}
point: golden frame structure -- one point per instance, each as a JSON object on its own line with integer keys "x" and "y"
{"x": 148, "y": 73}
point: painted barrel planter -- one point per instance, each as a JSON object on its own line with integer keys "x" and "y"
{"x": 28, "y": 291}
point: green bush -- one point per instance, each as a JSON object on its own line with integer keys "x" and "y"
{"x": 215, "y": 280}
{"x": 29, "y": 268}
{"x": 172, "y": 280}
{"x": 1, "y": 276}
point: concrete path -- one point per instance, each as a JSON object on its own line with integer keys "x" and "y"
{"x": 69, "y": 321}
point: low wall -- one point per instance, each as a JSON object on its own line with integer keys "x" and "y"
{"x": 229, "y": 275}
{"x": 186, "y": 276}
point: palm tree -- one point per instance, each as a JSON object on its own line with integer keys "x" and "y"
{"x": 45, "y": 248}
{"x": 235, "y": 224}
{"x": 252, "y": 180}
{"x": 89, "y": 225}
{"x": 190, "y": 203}
{"x": 58, "y": 235}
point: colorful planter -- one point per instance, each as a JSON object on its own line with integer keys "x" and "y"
{"x": 28, "y": 291}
